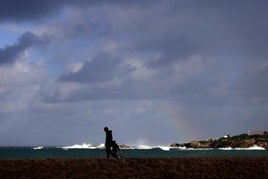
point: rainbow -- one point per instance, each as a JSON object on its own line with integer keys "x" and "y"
{"x": 179, "y": 121}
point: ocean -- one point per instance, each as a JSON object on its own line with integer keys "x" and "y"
{"x": 88, "y": 151}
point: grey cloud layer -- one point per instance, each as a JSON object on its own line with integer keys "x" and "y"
{"x": 164, "y": 32}
{"x": 218, "y": 31}
{"x": 103, "y": 68}
{"x": 172, "y": 29}
{"x": 134, "y": 65}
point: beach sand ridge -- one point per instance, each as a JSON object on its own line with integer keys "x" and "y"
{"x": 191, "y": 167}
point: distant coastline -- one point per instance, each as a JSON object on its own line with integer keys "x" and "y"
{"x": 247, "y": 140}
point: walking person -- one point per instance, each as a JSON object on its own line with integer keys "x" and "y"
{"x": 108, "y": 142}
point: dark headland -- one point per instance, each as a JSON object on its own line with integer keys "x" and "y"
{"x": 250, "y": 139}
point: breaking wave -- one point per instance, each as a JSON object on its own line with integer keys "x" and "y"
{"x": 147, "y": 147}
{"x": 254, "y": 147}
{"x": 185, "y": 148}
{"x": 102, "y": 146}
{"x": 38, "y": 147}
{"x": 83, "y": 146}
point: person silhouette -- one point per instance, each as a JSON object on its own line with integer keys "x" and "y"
{"x": 115, "y": 148}
{"x": 108, "y": 142}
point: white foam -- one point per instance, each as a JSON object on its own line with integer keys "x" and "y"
{"x": 38, "y": 148}
{"x": 102, "y": 145}
{"x": 147, "y": 147}
{"x": 185, "y": 148}
{"x": 226, "y": 148}
{"x": 254, "y": 147}
{"x": 142, "y": 147}
{"x": 83, "y": 146}
{"x": 180, "y": 148}
{"x": 165, "y": 148}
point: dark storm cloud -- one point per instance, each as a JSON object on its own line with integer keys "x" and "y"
{"x": 16, "y": 10}
{"x": 30, "y": 10}
{"x": 101, "y": 69}
{"x": 237, "y": 29}
{"x": 174, "y": 31}
{"x": 26, "y": 40}
{"x": 178, "y": 29}
{"x": 159, "y": 86}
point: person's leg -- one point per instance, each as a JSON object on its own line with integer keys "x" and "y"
{"x": 108, "y": 151}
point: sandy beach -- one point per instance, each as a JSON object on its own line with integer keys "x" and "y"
{"x": 205, "y": 167}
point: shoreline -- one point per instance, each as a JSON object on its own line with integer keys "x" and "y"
{"x": 191, "y": 167}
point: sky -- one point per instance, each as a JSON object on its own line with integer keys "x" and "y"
{"x": 156, "y": 72}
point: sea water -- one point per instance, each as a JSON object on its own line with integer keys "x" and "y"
{"x": 89, "y": 151}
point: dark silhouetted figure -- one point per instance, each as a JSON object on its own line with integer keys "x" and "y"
{"x": 108, "y": 142}
{"x": 115, "y": 148}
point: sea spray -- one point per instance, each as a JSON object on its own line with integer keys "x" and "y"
{"x": 84, "y": 146}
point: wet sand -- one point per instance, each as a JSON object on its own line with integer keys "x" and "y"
{"x": 192, "y": 167}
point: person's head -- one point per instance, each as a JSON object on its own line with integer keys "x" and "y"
{"x": 106, "y": 129}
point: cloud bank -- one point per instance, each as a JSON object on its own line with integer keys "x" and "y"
{"x": 185, "y": 69}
